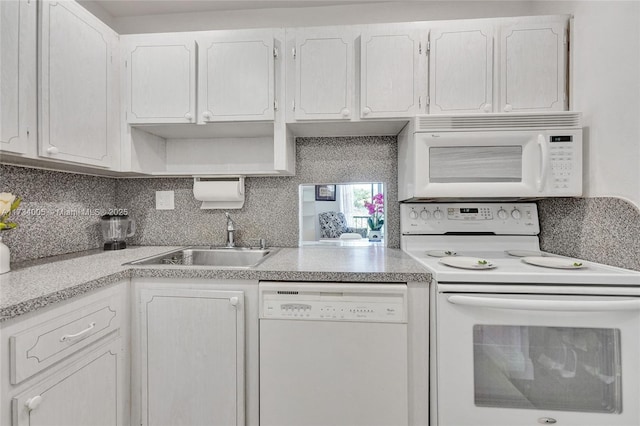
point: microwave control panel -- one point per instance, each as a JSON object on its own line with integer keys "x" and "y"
{"x": 561, "y": 155}
{"x": 496, "y": 218}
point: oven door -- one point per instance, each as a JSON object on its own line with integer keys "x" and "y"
{"x": 514, "y": 359}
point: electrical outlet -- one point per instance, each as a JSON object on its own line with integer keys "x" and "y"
{"x": 165, "y": 200}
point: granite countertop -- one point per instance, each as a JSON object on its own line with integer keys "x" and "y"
{"x": 35, "y": 284}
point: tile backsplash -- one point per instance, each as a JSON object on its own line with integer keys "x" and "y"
{"x": 60, "y": 211}
{"x": 604, "y": 230}
{"x": 69, "y": 206}
{"x": 271, "y": 203}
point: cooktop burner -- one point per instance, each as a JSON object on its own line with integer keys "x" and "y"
{"x": 460, "y": 245}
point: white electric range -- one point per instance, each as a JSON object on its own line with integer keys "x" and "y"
{"x": 520, "y": 336}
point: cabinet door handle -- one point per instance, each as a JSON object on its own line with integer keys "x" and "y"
{"x": 508, "y": 108}
{"x": 52, "y": 150}
{"x": 188, "y": 116}
{"x": 366, "y": 111}
{"x": 207, "y": 115}
{"x": 487, "y": 108}
{"x": 234, "y": 301}
{"x": 81, "y": 333}
{"x": 345, "y": 112}
{"x": 33, "y": 403}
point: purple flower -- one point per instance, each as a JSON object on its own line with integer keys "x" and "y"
{"x": 376, "y": 210}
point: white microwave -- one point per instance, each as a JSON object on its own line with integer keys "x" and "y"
{"x": 491, "y": 156}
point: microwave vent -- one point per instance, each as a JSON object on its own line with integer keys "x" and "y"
{"x": 498, "y": 121}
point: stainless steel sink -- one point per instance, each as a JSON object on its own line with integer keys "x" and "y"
{"x": 235, "y": 257}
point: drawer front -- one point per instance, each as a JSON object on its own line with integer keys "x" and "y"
{"x": 49, "y": 342}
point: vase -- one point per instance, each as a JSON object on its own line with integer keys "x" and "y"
{"x": 375, "y": 234}
{"x": 4, "y": 257}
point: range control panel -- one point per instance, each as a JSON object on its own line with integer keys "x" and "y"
{"x": 496, "y": 218}
{"x": 338, "y": 302}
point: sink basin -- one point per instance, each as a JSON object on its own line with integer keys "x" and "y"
{"x": 235, "y": 257}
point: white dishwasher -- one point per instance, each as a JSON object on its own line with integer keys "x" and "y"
{"x": 333, "y": 354}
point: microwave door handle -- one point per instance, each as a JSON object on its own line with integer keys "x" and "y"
{"x": 544, "y": 162}
{"x": 546, "y": 305}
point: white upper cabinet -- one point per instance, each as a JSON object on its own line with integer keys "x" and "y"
{"x": 236, "y": 76}
{"x": 78, "y": 86}
{"x": 324, "y": 73}
{"x": 461, "y": 69}
{"x": 533, "y": 65}
{"x": 17, "y": 75}
{"x": 161, "y": 79}
{"x": 393, "y": 58}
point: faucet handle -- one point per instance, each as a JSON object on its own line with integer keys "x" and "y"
{"x": 230, "y": 224}
{"x": 262, "y": 243}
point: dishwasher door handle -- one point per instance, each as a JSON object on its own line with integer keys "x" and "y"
{"x": 546, "y": 305}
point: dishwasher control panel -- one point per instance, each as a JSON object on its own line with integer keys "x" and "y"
{"x": 334, "y": 302}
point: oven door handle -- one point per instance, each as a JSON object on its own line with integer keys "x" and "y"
{"x": 546, "y": 305}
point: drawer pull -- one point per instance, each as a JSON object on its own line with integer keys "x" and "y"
{"x": 33, "y": 403}
{"x": 75, "y": 336}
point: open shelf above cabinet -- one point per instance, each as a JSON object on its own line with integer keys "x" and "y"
{"x": 209, "y": 131}
{"x": 202, "y": 150}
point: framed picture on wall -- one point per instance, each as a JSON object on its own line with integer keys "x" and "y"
{"x": 325, "y": 192}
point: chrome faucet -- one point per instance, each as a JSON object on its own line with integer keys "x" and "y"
{"x": 231, "y": 229}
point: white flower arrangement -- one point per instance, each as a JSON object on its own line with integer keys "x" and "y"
{"x": 8, "y": 203}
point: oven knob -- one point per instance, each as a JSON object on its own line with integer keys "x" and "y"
{"x": 424, "y": 214}
{"x": 516, "y": 214}
{"x": 438, "y": 214}
{"x": 502, "y": 214}
{"x": 413, "y": 214}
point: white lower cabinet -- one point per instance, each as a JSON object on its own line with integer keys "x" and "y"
{"x": 191, "y": 356}
{"x": 86, "y": 393}
{"x": 68, "y": 364}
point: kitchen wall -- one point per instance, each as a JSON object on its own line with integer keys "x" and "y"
{"x": 605, "y": 54}
{"x": 606, "y": 88}
{"x": 271, "y": 203}
{"x": 61, "y": 211}
{"x": 365, "y": 13}
{"x": 604, "y": 230}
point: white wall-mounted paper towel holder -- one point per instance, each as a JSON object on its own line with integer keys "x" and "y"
{"x": 219, "y": 192}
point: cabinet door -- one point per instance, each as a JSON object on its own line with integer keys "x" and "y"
{"x": 324, "y": 63}
{"x": 17, "y": 75}
{"x": 161, "y": 79}
{"x": 192, "y": 366}
{"x": 461, "y": 70}
{"x": 78, "y": 98}
{"x": 236, "y": 81}
{"x": 533, "y": 67}
{"x": 89, "y": 392}
{"x": 392, "y": 60}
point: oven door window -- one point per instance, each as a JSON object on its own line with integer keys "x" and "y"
{"x": 547, "y": 368}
